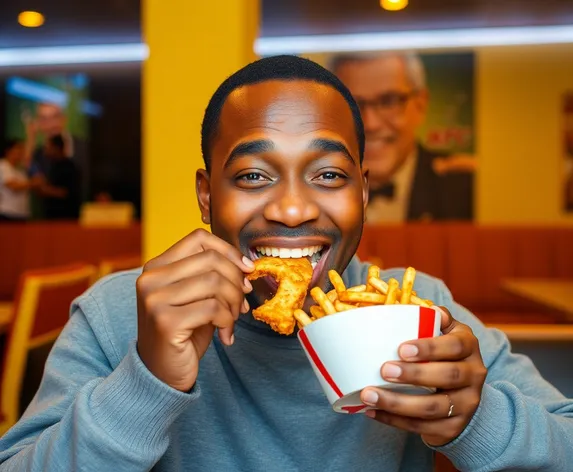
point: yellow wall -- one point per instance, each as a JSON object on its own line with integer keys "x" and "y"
{"x": 519, "y": 133}
{"x": 194, "y": 46}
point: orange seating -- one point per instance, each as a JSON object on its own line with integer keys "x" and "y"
{"x": 41, "y": 310}
{"x": 115, "y": 264}
{"x": 473, "y": 260}
{"x": 40, "y": 245}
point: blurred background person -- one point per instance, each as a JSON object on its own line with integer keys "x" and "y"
{"x": 407, "y": 181}
{"x": 60, "y": 185}
{"x": 14, "y": 184}
{"x": 49, "y": 121}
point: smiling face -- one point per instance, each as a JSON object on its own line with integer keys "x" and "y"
{"x": 392, "y": 110}
{"x": 285, "y": 177}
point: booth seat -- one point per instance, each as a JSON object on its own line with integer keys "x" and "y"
{"x": 29, "y": 246}
{"x": 474, "y": 261}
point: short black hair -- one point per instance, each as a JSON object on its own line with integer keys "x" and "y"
{"x": 58, "y": 142}
{"x": 273, "y": 68}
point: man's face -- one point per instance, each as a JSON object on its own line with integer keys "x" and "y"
{"x": 286, "y": 178}
{"x": 391, "y": 109}
{"x": 51, "y": 120}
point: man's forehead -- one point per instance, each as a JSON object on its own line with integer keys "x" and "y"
{"x": 374, "y": 74}
{"x": 49, "y": 109}
{"x": 302, "y": 94}
{"x": 269, "y": 109}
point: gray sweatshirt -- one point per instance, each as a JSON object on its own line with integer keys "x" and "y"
{"x": 257, "y": 405}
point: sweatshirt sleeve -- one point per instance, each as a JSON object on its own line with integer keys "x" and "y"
{"x": 89, "y": 416}
{"x": 522, "y": 423}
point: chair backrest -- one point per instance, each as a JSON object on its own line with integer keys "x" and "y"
{"x": 41, "y": 310}
{"x": 115, "y": 264}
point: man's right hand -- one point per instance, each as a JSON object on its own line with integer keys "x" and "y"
{"x": 197, "y": 285}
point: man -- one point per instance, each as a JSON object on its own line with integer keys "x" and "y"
{"x": 167, "y": 369}
{"x": 59, "y": 188}
{"x": 51, "y": 121}
{"x": 14, "y": 184}
{"x": 407, "y": 181}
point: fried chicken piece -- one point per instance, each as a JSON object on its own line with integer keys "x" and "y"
{"x": 293, "y": 277}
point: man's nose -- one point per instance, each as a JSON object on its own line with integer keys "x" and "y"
{"x": 292, "y": 208}
{"x": 371, "y": 119}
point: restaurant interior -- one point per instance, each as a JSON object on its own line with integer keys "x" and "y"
{"x": 124, "y": 85}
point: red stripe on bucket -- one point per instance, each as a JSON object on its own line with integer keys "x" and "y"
{"x": 426, "y": 323}
{"x": 318, "y": 363}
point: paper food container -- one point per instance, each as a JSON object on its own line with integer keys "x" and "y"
{"x": 346, "y": 350}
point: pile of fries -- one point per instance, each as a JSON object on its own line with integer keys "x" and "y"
{"x": 375, "y": 292}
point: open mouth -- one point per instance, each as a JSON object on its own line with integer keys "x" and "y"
{"x": 316, "y": 255}
{"x": 312, "y": 253}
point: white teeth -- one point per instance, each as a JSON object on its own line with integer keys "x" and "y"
{"x": 287, "y": 253}
{"x": 296, "y": 253}
{"x": 313, "y": 264}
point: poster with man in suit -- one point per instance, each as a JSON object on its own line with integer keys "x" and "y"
{"x": 418, "y": 114}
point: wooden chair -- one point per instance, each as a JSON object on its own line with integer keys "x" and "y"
{"x": 41, "y": 310}
{"x": 115, "y": 264}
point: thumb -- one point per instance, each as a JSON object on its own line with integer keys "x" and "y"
{"x": 448, "y": 323}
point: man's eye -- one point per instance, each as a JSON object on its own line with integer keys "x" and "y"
{"x": 251, "y": 177}
{"x": 330, "y": 176}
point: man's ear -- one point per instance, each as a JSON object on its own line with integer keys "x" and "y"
{"x": 203, "y": 189}
{"x": 365, "y": 189}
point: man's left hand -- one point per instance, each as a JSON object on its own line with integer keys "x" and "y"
{"x": 452, "y": 364}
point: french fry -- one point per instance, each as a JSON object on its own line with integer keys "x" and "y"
{"x": 420, "y": 302}
{"x": 317, "y": 312}
{"x": 373, "y": 271}
{"x": 382, "y": 287}
{"x": 378, "y": 284}
{"x": 332, "y": 296}
{"x": 407, "y": 285}
{"x": 302, "y": 318}
{"x": 362, "y": 297}
{"x": 340, "y": 306}
{"x": 392, "y": 294}
{"x": 357, "y": 288}
{"x": 375, "y": 292}
{"x": 336, "y": 281}
{"x": 320, "y": 297}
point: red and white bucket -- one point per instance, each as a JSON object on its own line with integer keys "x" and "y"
{"x": 346, "y": 350}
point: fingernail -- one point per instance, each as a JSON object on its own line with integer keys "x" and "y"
{"x": 370, "y": 397}
{"x": 232, "y": 339}
{"x": 245, "y": 306}
{"x": 250, "y": 264}
{"x": 391, "y": 371}
{"x": 408, "y": 350}
{"x": 248, "y": 285}
{"x": 370, "y": 413}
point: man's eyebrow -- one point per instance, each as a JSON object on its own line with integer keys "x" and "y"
{"x": 331, "y": 146}
{"x": 258, "y": 146}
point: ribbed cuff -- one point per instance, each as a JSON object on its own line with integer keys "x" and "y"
{"x": 486, "y": 436}
{"x": 135, "y": 406}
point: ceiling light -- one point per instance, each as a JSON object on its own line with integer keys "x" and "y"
{"x": 429, "y": 39}
{"x": 31, "y": 19}
{"x": 92, "y": 54}
{"x": 393, "y": 5}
